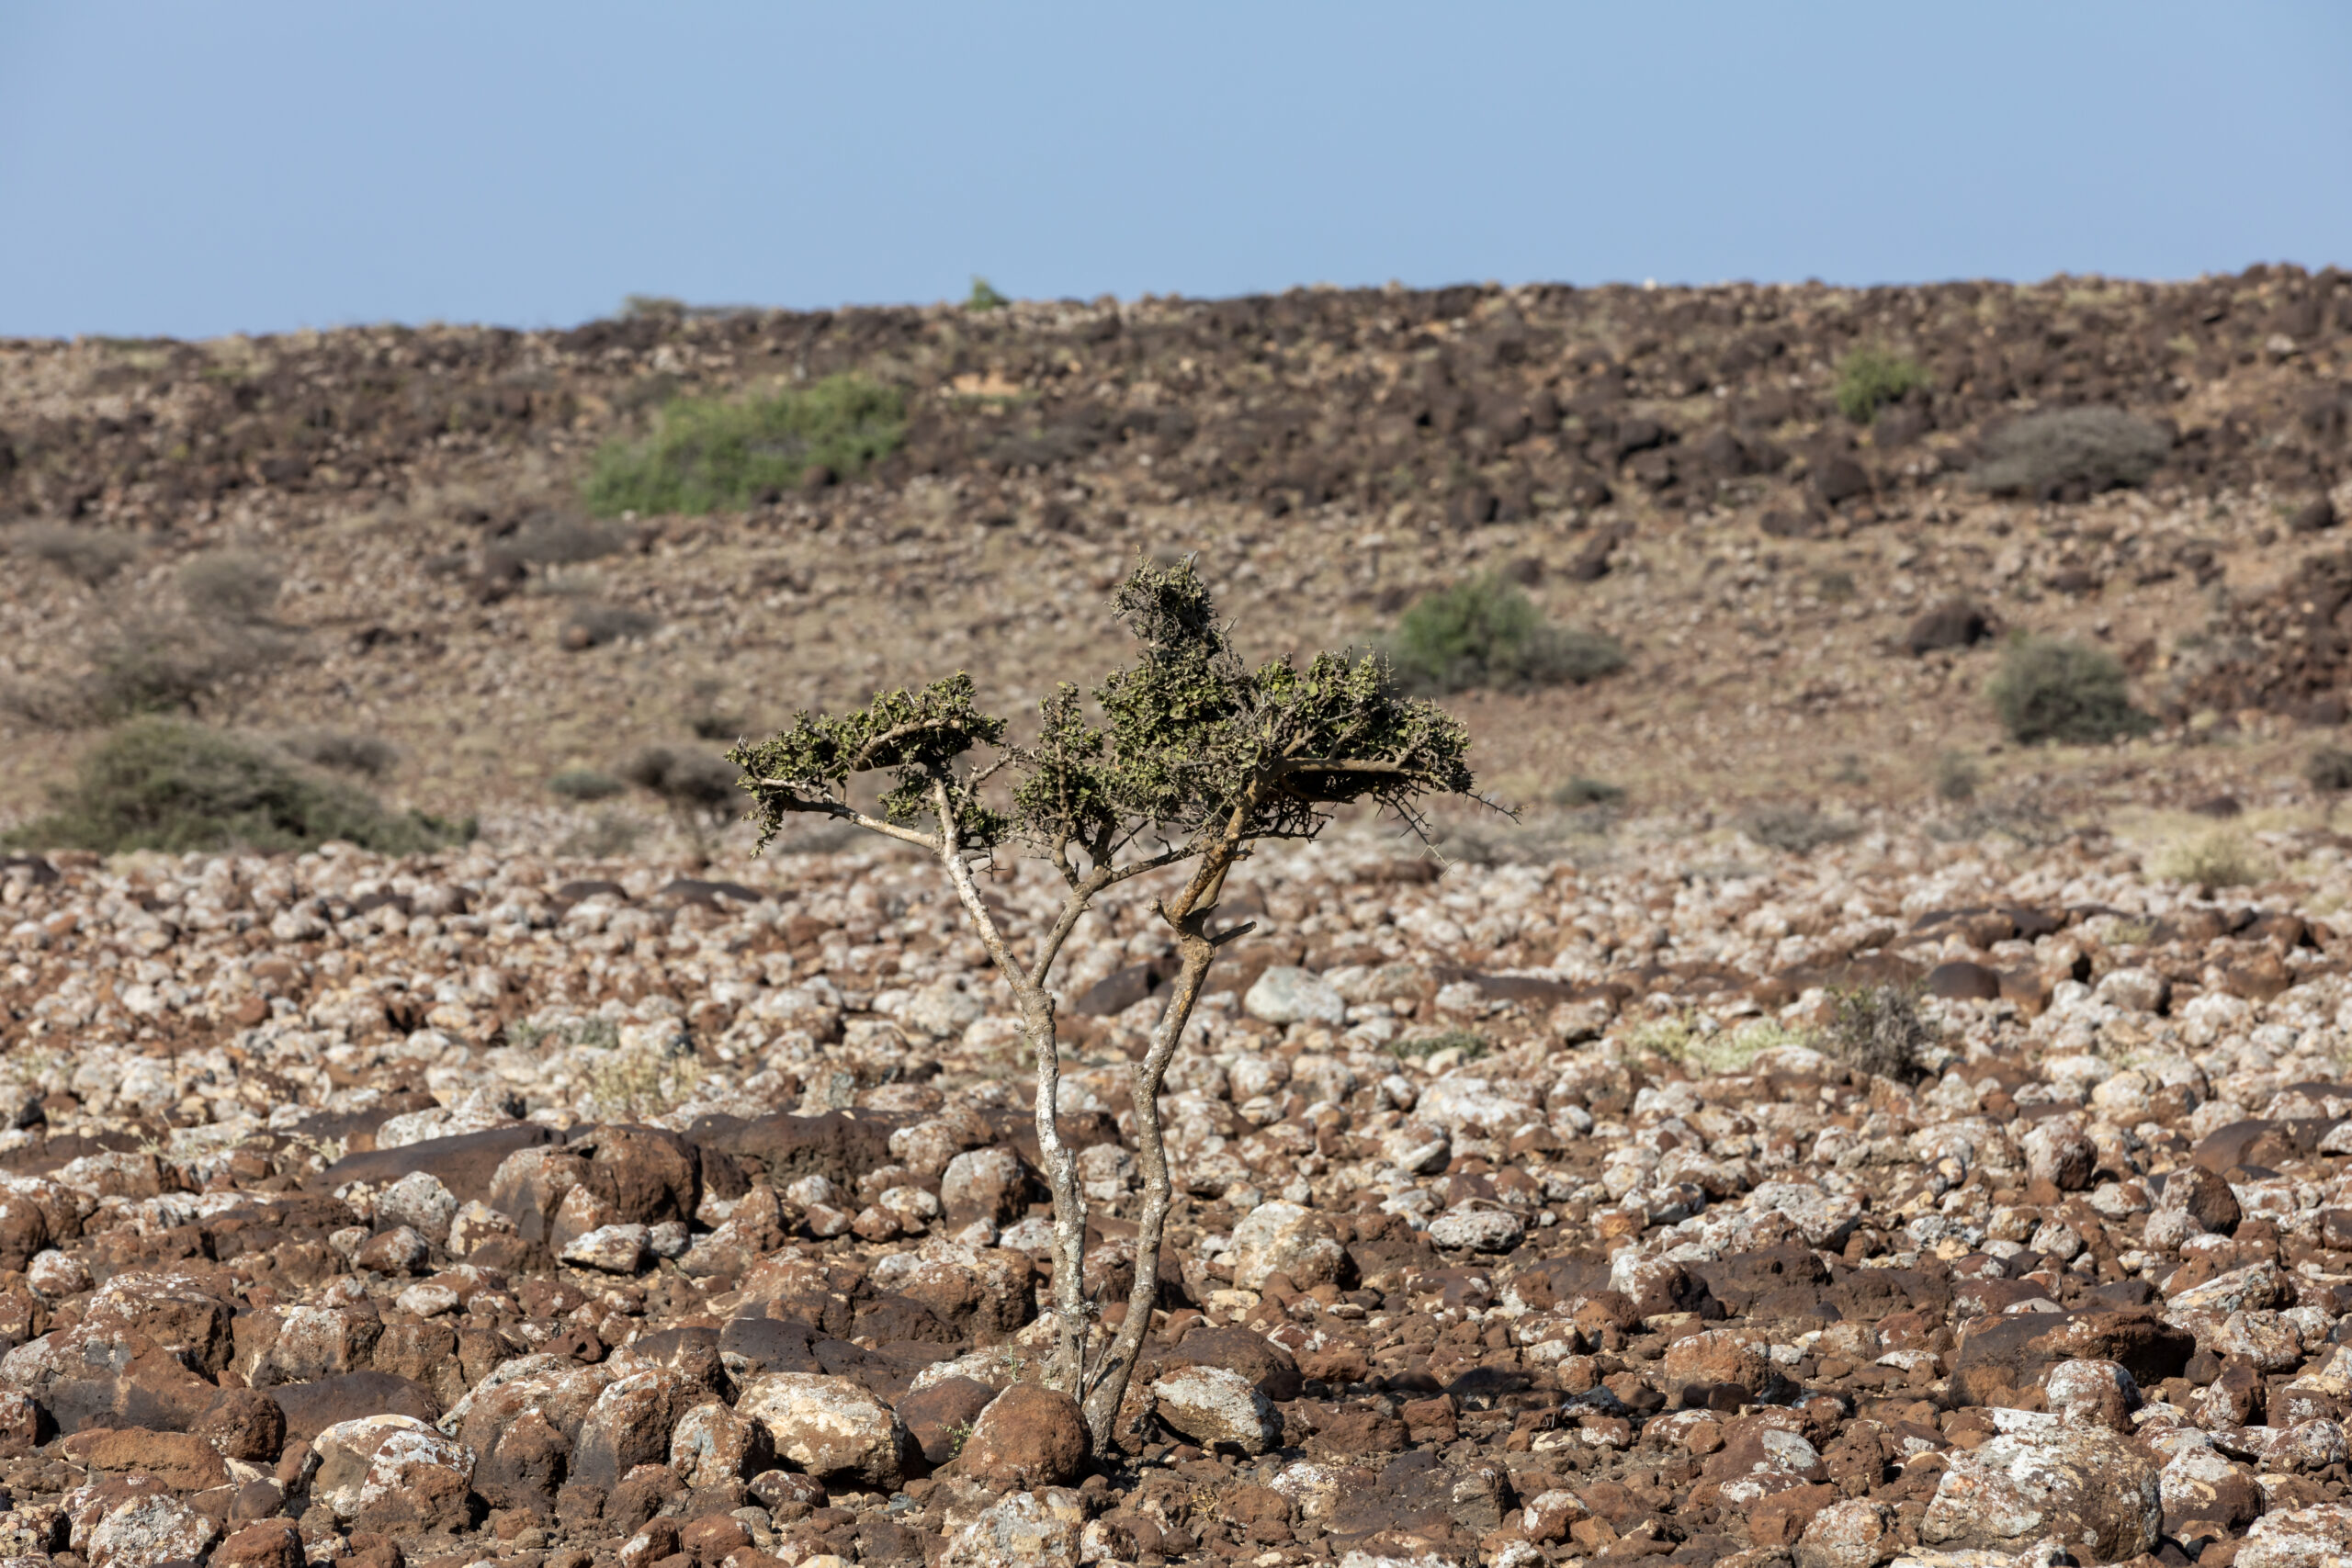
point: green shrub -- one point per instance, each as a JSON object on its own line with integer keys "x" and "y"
{"x": 159, "y": 783}
{"x": 705, "y": 453}
{"x": 2329, "y": 768}
{"x": 1869, "y": 378}
{"x": 984, "y": 296}
{"x": 586, "y": 784}
{"x": 88, "y": 556}
{"x": 2056, "y": 689}
{"x": 1484, "y": 632}
{"x": 2049, "y": 454}
{"x": 235, "y": 587}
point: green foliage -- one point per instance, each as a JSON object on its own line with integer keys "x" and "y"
{"x": 1484, "y": 632}
{"x": 1879, "y": 1029}
{"x": 585, "y": 785}
{"x": 2087, "y": 449}
{"x": 2329, "y": 769}
{"x": 1870, "y": 378}
{"x": 707, "y": 455}
{"x": 1193, "y": 745}
{"x": 2054, "y": 689}
{"x": 984, "y": 296}
{"x": 88, "y": 556}
{"x": 165, "y": 785}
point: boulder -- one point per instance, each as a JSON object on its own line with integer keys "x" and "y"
{"x": 939, "y": 1415}
{"x": 2096, "y": 1493}
{"x": 1216, "y": 1404}
{"x": 393, "y": 1475}
{"x": 1284, "y": 994}
{"x": 1270, "y": 1368}
{"x": 2319, "y": 1536}
{"x": 1024, "y": 1530}
{"x": 1285, "y": 1238}
{"x": 827, "y": 1426}
{"x": 1028, "y": 1435}
{"x": 133, "y": 1521}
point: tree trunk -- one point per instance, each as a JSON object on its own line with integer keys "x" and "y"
{"x": 1070, "y": 1205}
{"x": 1195, "y": 953}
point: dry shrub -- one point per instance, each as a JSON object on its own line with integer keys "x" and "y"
{"x": 88, "y": 556}
{"x": 2068, "y": 453}
{"x": 370, "y": 756}
{"x": 1881, "y": 1031}
{"x": 2222, "y": 859}
{"x": 234, "y": 588}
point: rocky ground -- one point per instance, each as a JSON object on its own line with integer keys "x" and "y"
{"x": 465, "y": 1209}
{"x": 1799, "y": 1158}
{"x": 1667, "y": 465}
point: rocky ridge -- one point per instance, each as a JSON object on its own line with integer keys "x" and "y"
{"x": 1667, "y": 465}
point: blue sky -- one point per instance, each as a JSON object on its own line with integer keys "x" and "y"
{"x": 193, "y": 169}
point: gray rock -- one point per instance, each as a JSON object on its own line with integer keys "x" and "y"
{"x": 1285, "y": 1238}
{"x": 831, "y": 1428}
{"x": 2093, "y": 1492}
{"x": 1288, "y": 995}
{"x": 1214, "y": 1404}
{"x": 616, "y": 1249}
{"x": 1481, "y": 1230}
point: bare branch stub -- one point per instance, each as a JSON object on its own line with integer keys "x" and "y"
{"x": 1193, "y": 753}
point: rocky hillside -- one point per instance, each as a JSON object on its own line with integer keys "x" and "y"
{"x": 1670, "y": 466}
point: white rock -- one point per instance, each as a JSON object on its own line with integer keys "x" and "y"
{"x": 616, "y": 1249}
{"x": 1216, "y": 1404}
{"x": 829, "y": 1426}
{"x": 1285, "y": 1238}
{"x": 1287, "y": 995}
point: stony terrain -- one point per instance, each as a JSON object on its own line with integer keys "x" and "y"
{"x": 1782, "y": 1163}
{"x": 464, "y": 1209}
{"x": 1664, "y": 464}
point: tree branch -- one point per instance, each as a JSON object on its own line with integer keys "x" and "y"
{"x": 793, "y": 801}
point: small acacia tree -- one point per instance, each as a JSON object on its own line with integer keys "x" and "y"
{"x": 1196, "y": 758}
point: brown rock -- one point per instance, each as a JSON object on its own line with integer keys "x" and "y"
{"x": 1029, "y": 1436}
{"x": 311, "y": 1407}
{"x": 2203, "y": 1196}
{"x": 182, "y": 1461}
{"x": 1263, "y": 1362}
{"x": 244, "y": 1424}
{"x": 269, "y": 1543}
{"x": 939, "y": 1418}
{"x": 2001, "y": 1360}
{"x": 527, "y": 1467}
